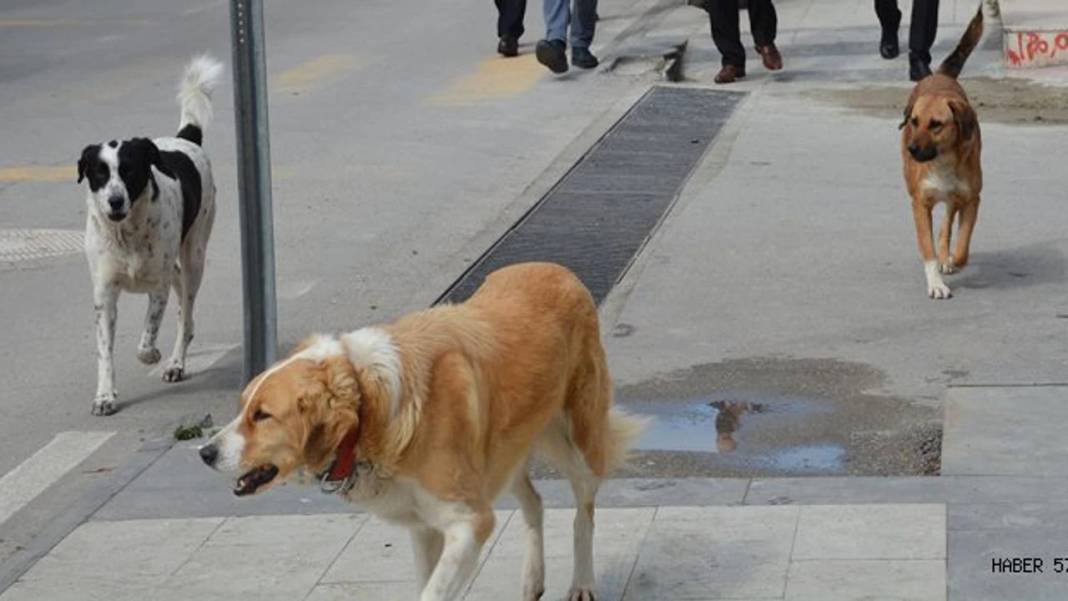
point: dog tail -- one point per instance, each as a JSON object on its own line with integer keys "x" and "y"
{"x": 194, "y": 96}
{"x": 955, "y": 62}
{"x": 623, "y": 430}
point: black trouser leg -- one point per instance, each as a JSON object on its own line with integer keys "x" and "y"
{"x": 510, "y": 17}
{"x": 763, "y": 21}
{"x": 923, "y": 28}
{"x": 723, "y": 19}
{"x": 888, "y": 13}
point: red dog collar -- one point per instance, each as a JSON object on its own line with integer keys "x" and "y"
{"x": 340, "y": 476}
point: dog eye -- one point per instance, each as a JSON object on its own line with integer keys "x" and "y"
{"x": 935, "y": 125}
{"x": 260, "y": 415}
{"x": 102, "y": 170}
{"x": 915, "y": 122}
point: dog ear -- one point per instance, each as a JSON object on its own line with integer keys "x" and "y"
{"x": 151, "y": 153}
{"x": 329, "y": 407}
{"x": 964, "y": 117}
{"x": 89, "y": 156}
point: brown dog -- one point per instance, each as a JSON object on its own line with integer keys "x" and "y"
{"x": 940, "y": 146}
{"x": 427, "y": 420}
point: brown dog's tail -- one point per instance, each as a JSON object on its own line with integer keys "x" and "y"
{"x": 955, "y": 62}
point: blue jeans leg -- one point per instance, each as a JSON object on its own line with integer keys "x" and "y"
{"x": 557, "y": 16}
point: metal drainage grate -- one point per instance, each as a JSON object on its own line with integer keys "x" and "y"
{"x": 27, "y": 245}
{"x": 601, "y": 213}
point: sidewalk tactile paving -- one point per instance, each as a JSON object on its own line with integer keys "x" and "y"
{"x": 24, "y": 245}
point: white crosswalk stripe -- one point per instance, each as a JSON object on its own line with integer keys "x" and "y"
{"x": 31, "y": 477}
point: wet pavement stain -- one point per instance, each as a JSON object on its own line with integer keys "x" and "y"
{"x": 778, "y": 416}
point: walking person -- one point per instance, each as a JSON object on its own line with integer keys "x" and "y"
{"x": 922, "y": 30}
{"x": 510, "y": 15}
{"x": 723, "y": 19}
{"x": 559, "y": 17}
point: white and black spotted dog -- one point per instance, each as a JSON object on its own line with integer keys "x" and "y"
{"x": 151, "y": 208}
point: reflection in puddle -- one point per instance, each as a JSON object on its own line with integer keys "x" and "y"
{"x": 728, "y": 419}
{"x": 740, "y": 432}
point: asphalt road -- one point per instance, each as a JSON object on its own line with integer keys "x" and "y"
{"x": 399, "y": 140}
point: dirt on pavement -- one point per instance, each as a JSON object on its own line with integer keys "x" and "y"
{"x": 1003, "y": 100}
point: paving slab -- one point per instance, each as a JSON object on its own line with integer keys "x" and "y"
{"x": 380, "y": 549}
{"x": 715, "y": 552}
{"x": 973, "y": 577}
{"x": 856, "y": 580}
{"x": 667, "y": 552}
{"x": 1005, "y": 430}
{"x": 364, "y": 591}
{"x": 134, "y": 554}
{"x": 942, "y": 489}
{"x": 979, "y": 534}
{"x": 862, "y": 532}
{"x": 618, "y": 535}
{"x": 1009, "y": 516}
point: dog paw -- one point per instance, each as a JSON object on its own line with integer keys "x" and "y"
{"x": 104, "y": 404}
{"x": 174, "y": 373}
{"x": 581, "y": 594}
{"x": 148, "y": 356}
{"x": 938, "y": 291}
{"x": 533, "y": 595}
{"x": 948, "y": 267}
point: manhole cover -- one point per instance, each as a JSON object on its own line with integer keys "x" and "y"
{"x": 26, "y": 245}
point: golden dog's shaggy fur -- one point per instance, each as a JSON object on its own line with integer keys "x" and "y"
{"x": 449, "y": 404}
{"x": 940, "y": 149}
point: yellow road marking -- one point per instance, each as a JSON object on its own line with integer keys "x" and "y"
{"x": 315, "y": 72}
{"x": 12, "y": 23}
{"x": 38, "y": 173}
{"x": 495, "y": 78}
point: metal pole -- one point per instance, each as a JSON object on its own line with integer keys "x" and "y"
{"x": 254, "y": 184}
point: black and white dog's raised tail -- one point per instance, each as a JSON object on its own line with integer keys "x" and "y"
{"x": 151, "y": 206}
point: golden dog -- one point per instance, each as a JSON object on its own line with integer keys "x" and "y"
{"x": 940, "y": 147}
{"x": 427, "y": 420}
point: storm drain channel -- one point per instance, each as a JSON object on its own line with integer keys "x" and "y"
{"x": 599, "y": 215}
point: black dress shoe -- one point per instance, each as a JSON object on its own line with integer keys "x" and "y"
{"x": 552, "y": 54}
{"x": 918, "y": 69}
{"x": 583, "y": 58}
{"x": 508, "y": 46}
{"x": 888, "y": 47}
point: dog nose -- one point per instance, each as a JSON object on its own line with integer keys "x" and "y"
{"x": 209, "y": 453}
{"x": 913, "y": 149}
{"x": 116, "y": 203}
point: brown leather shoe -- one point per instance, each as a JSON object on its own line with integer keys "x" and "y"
{"x": 771, "y": 56}
{"x": 729, "y": 73}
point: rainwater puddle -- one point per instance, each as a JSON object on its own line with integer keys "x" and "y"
{"x": 779, "y": 416}
{"x": 732, "y": 424}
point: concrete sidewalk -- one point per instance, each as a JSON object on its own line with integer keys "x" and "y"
{"x": 697, "y": 539}
{"x": 814, "y": 552}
